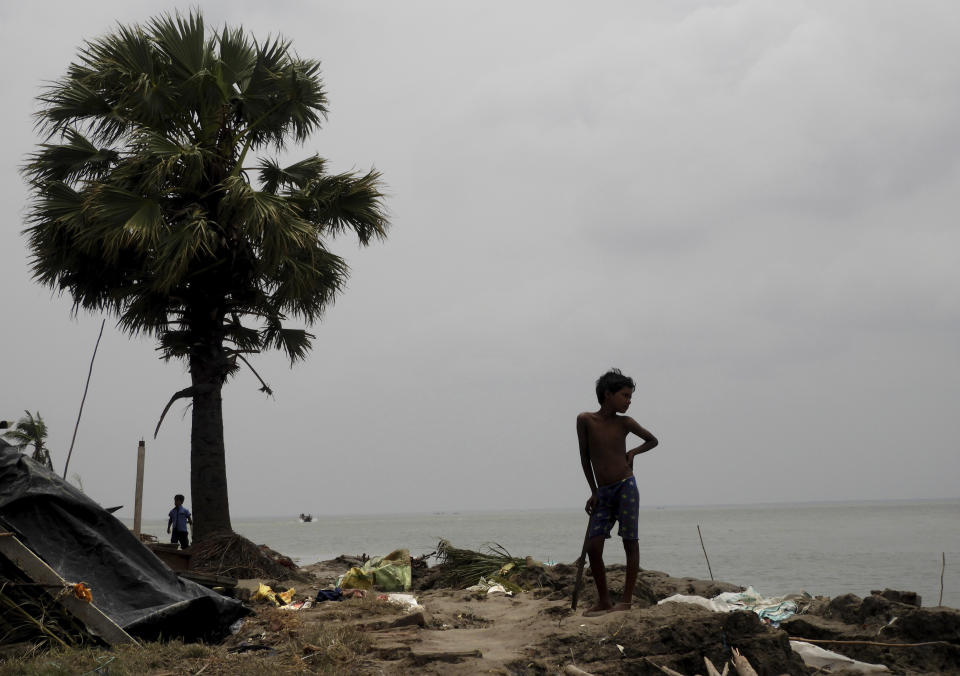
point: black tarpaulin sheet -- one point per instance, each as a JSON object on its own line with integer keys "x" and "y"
{"x": 83, "y": 542}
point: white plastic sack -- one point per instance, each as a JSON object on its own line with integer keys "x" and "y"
{"x": 408, "y": 601}
{"x": 817, "y": 657}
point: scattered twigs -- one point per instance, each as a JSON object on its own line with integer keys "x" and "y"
{"x": 830, "y": 641}
{"x": 85, "y": 388}
{"x": 943, "y": 565}
{"x": 709, "y": 570}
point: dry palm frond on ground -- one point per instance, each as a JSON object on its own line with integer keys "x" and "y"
{"x": 464, "y": 567}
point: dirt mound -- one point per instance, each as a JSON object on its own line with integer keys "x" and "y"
{"x": 652, "y": 586}
{"x": 884, "y": 628}
{"x": 235, "y": 556}
{"x": 677, "y": 636}
{"x": 557, "y": 581}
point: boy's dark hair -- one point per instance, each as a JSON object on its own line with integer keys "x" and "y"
{"x": 612, "y": 381}
{"x": 178, "y": 497}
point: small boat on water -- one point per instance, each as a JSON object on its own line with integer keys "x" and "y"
{"x": 306, "y": 518}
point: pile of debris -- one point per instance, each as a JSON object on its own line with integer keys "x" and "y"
{"x": 233, "y": 555}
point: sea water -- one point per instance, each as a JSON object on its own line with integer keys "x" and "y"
{"x": 821, "y": 548}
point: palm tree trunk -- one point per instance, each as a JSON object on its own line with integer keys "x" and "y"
{"x": 208, "y": 467}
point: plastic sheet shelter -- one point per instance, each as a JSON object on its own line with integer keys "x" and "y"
{"x": 83, "y": 542}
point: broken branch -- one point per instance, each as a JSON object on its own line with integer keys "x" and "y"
{"x": 182, "y": 394}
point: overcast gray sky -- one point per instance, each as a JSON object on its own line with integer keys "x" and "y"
{"x": 749, "y": 206}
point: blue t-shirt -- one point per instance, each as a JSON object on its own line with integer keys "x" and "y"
{"x": 178, "y": 517}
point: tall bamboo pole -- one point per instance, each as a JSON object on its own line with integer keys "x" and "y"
{"x": 943, "y": 566}
{"x": 138, "y": 493}
{"x": 709, "y": 569}
{"x": 84, "y": 399}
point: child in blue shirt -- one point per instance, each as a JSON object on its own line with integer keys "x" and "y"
{"x": 179, "y": 518}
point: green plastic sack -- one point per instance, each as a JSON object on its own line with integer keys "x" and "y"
{"x": 390, "y": 573}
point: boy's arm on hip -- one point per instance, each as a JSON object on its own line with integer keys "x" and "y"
{"x": 649, "y": 441}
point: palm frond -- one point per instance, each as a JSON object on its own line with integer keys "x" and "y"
{"x": 464, "y": 567}
{"x": 347, "y": 202}
{"x": 244, "y": 338}
{"x": 182, "y": 39}
{"x": 299, "y": 175}
{"x": 237, "y": 59}
{"x": 283, "y": 97}
{"x": 75, "y": 159}
{"x": 307, "y": 282}
{"x": 295, "y": 343}
{"x": 183, "y": 244}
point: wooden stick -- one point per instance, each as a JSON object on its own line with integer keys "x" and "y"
{"x": 580, "y": 562}
{"x": 711, "y": 670}
{"x": 663, "y": 669}
{"x": 85, "y": 388}
{"x": 709, "y": 570}
{"x": 943, "y": 565}
{"x": 37, "y": 570}
{"x": 572, "y": 670}
{"x": 741, "y": 664}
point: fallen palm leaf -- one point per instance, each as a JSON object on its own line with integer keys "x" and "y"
{"x": 463, "y": 567}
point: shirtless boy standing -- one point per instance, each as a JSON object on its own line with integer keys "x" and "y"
{"x": 608, "y": 466}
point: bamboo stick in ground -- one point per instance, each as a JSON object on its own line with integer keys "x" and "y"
{"x": 83, "y": 399}
{"x": 943, "y": 565}
{"x": 580, "y": 563}
{"x": 709, "y": 570}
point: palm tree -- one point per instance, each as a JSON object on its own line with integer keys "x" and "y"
{"x": 154, "y": 199}
{"x": 31, "y": 431}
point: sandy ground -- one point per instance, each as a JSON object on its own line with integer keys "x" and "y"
{"x": 534, "y": 632}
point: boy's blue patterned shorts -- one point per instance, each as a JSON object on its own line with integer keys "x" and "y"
{"x": 616, "y": 502}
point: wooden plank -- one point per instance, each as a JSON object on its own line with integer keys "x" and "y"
{"x": 38, "y": 571}
{"x": 208, "y": 579}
